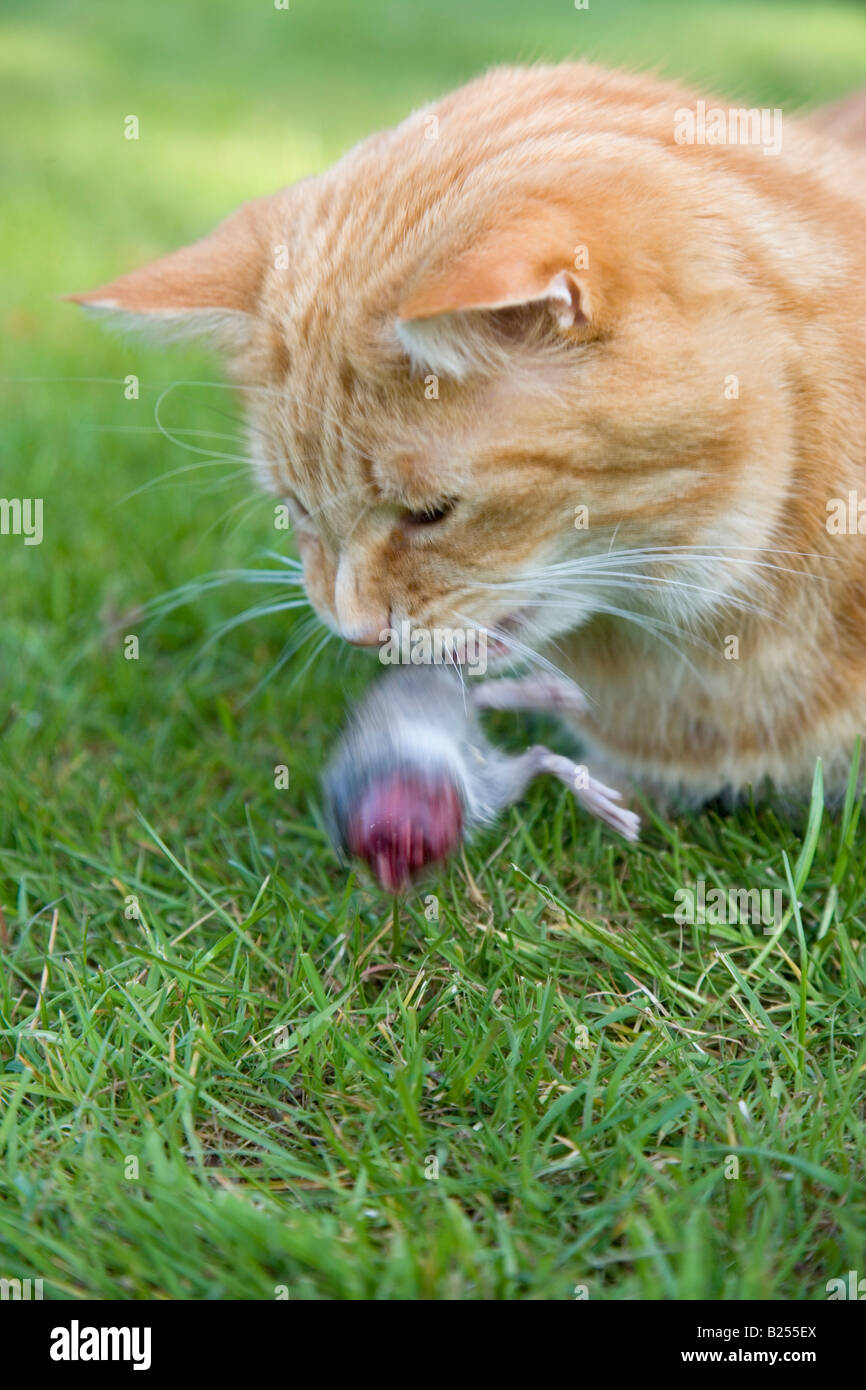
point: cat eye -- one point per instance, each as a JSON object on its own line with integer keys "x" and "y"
{"x": 429, "y": 516}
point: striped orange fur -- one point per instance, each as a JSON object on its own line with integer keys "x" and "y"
{"x": 627, "y": 375}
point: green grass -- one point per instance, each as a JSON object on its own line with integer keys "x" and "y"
{"x": 245, "y": 1087}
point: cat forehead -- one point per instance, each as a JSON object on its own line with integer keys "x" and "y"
{"x": 417, "y": 474}
{"x": 327, "y": 438}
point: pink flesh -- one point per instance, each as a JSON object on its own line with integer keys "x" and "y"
{"x": 403, "y": 824}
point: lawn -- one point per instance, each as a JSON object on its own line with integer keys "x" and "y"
{"x": 227, "y": 1068}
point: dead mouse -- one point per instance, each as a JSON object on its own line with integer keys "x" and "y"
{"x": 414, "y": 772}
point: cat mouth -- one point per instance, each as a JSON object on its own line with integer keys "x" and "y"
{"x": 464, "y": 646}
{"x": 497, "y": 647}
{"x": 498, "y": 638}
{"x": 495, "y": 641}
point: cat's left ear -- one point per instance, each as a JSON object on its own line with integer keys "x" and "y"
{"x": 210, "y": 288}
{"x": 531, "y": 260}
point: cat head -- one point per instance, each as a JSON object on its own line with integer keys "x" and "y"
{"x": 476, "y": 354}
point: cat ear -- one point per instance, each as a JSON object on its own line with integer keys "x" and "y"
{"x": 532, "y": 261}
{"x": 210, "y": 288}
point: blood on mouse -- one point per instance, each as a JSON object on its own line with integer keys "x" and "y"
{"x": 404, "y": 823}
{"x": 414, "y": 772}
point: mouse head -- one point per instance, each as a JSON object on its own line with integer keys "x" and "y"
{"x": 402, "y": 823}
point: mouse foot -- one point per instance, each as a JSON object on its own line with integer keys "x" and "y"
{"x": 603, "y": 802}
{"x": 544, "y": 694}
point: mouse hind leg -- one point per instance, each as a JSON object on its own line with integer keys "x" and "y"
{"x": 603, "y": 802}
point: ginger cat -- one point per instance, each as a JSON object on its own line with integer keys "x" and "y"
{"x": 535, "y": 361}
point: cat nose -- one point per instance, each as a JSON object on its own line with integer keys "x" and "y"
{"x": 360, "y": 616}
{"x": 364, "y": 636}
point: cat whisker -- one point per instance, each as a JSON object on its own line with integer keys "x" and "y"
{"x": 288, "y": 560}
{"x": 656, "y": 627}
{"x": 455, "y": 666}
{"x": 303, "y": 634}
{"x": 246, "y": 505}
{"x": 180, "y": 472}
{"x": 154, "y": 429}
{"x": 346, "y": 434}
{"x": 262, "y": 610}
{"x": 289, "y": 575}
{"x": 649, "y": 623}
{"x": 624, "y": 568}
{"x": 631, "y": 583}
{"x": 316, "y": 652}
{"x": 281, "y": 394}
{"x": 174, "y": 437}
{"x": 664, "y": 554}
{"x": 507, "y": 639}
{"x": 185, "y": 593}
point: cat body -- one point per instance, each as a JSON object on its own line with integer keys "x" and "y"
{"x": 542, "y": 362}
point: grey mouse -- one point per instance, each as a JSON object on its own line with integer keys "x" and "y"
{"x": 414, "y": 772}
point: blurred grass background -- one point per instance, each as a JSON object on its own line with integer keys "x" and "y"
{"x": 307, "y": 1167}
